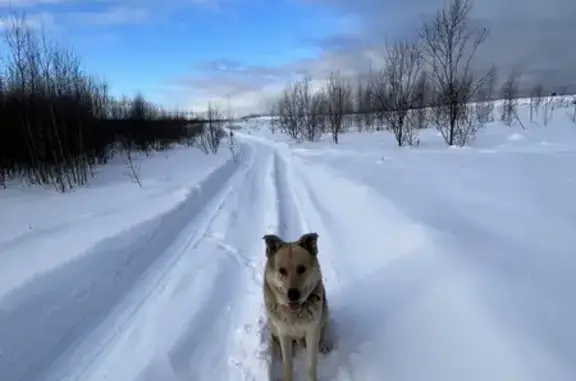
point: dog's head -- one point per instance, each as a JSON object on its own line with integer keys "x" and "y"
{"x": 293, "y": 270}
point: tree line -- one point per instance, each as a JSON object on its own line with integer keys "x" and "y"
{"x": 427, "y": 79}
{"x": 58, "y": 122}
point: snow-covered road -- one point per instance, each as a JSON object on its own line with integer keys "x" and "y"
{"x": 178, "y": 295}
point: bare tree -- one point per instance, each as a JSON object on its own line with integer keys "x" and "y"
{"x": 359, "y": 105}
{"x": 395, "y": 88}
{"x": 274, "y": 118}
{"x": 536, "y": 98}
{"x": 214, "y": 130}
{"x": 288, "y": 113}
{"x": 484, "y": 98}
{"x": 210, "y": 131}
{"x": 313, "y": 107}
{"x": 419, "y": 114}
{"x": 338, "y": 100}
{"x": 548, "y": 108}
{"x": 450, "y": 44}
{"x": 364, "y": 102}
{"x": 133, "y": 168}
{"x": 300, "y": 111}
{"x": 509, "y": 95}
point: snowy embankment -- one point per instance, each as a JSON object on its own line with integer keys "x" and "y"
{"x": 440, "y": 263}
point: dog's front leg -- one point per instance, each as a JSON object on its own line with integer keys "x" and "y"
{"x": 287, "y": 354}
{"x": 312, "y": 343}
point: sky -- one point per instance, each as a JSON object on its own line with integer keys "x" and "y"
{"x": 187, "y": 53}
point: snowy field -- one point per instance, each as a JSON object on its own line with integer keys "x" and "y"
{"x": 441, "y": 264}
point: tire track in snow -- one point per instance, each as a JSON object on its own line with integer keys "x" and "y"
{"x": 249, "y": 355}
{"x": 43, "y": 324}
{"x": 194, "y": 234}
{"x": 207, "y": 340}
{"x": 201, "y": 298}
{"x": 290, "y": 222}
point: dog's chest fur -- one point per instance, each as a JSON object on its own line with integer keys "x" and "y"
{"x": 295, "y": 323}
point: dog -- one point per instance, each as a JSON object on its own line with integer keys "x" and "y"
{"x": 295, "y": 301}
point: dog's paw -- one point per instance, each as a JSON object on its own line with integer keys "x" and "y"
{"x": 326, "y": 346}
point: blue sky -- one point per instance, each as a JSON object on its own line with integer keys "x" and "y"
{"x": 155, "y": 46}
{"x": 186, "y": 53}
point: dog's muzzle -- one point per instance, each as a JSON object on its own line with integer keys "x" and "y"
{"x": 294, "y": 296}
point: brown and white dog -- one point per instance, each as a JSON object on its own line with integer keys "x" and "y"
{"x": 295, "y": 301}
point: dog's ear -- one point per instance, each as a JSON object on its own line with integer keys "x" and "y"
{"x": 309, "y": 241}
{"x": 273, "y": 243}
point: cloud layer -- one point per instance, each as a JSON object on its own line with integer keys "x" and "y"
{"x": 534, "y": 36}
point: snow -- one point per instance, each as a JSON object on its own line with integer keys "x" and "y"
{"x": 440, "y": 263}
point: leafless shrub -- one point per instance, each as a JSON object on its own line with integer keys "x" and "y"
{"x": 548, "y": 109}
{"x": 484, "y": 99}
{"x": 469, "y": 125}
{"x": 364, "y": 103}
{"x": 395, "y": 89}
{"x": 536, "y": 98}
{"x": 273, "y": 126}
{"x": 419, "y": 114}
{"x": 509, "y": 95}
{"x": 237, "y": 155}
{"x": 201, "y": 142}
{"x": 301, "y": 112}
{"x": 133, "y": 168}
{"x": 359, "y": 103}
{"x": 289, "y": 112}
{"x": 450, "y": 44}
{"x": 338, "y": 100}
{"x": 214, "y": 131}
{"x": 314, "y": 105}
{"x": 369, "y": 103}
{"x": 210, "y": 131}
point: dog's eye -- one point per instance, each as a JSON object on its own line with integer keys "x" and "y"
{"x": 300, "y": 269}
{"x": 282, "y": 271}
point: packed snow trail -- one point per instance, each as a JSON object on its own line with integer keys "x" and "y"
{"x": 183, "y": 329}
